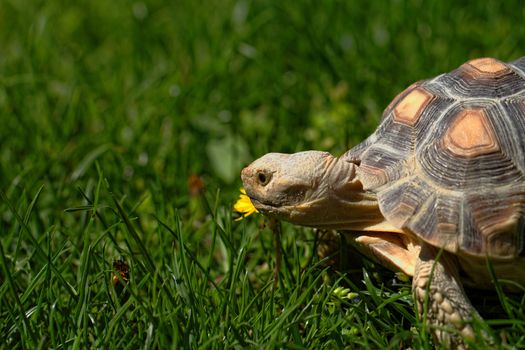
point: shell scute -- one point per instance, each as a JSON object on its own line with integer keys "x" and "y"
{"x": 484, "y": 78}
{"x": 471, "y": 135}
{"x": 499, "y": 219}
{"x": 408, "y": 111}
{"x": 518, "y": 66}
{"x": 488, "y": 66}
{"x": 401, "y": 200}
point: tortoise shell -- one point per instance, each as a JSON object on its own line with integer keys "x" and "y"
{"x": 448, "y": 159}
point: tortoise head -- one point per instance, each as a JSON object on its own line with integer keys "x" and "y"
{"x": 310, "y": 188}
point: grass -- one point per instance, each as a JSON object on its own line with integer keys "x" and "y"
{"x": 124, "y": 126}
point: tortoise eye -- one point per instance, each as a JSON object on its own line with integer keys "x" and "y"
{"x": 263, "y": 178}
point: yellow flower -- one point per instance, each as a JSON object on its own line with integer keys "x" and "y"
{"x": 244, "y": 205}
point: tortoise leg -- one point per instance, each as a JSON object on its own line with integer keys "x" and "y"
{"x": 440, "y": 299}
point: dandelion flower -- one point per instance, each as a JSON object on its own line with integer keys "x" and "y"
{"x": 244, "y": 205}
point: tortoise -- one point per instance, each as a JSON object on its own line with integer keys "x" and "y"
{"x": 436, "y": 191}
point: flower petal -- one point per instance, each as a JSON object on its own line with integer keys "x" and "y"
{"x": 244, "y": 205}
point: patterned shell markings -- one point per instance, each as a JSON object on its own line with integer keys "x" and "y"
{"x": 448, "y": 159}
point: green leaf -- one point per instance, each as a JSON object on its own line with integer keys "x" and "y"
{"x": 228, "y": 156}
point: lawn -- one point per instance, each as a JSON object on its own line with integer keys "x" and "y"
{"x": 123, "y": 129}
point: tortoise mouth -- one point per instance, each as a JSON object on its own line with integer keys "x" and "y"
{"x": 260, "y": 205}
{"x": 265, "y": 207}
{"x": 287, "y": 212}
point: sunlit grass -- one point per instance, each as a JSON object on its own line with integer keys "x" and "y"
{"x": 124, "y": 126}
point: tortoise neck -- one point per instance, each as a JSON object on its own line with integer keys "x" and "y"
{"x": 342, "y": 204}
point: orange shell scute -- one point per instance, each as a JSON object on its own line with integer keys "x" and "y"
{"x": 471, "y": 135}
{"x": 488, "y": 65}
{"x": 409, "y": 110}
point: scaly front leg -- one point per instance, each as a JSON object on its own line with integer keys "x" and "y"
{"x": 440, "y": 299}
